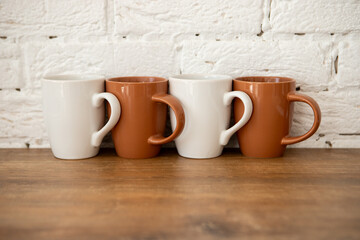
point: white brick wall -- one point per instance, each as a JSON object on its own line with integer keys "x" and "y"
{"x": 51, "y": 17}
{"x": 48, "y": 58}
{"x": 315, "y": 42}
{"x": 175, "y": 17}
{"x": 348, "y": 72}
{"x": 10, "y": 66}
{"x": 144, "y": 58}
{"x": 306, "y": 61}
{"x": 308, "y": 16}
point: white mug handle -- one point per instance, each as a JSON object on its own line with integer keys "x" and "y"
{"x": 228, "y": 97}
{"x": 97, "y": 100}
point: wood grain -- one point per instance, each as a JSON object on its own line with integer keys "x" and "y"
{"x": 307, "y": 194}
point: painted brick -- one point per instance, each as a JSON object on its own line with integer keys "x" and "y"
{"x": 86, "y": 16}
{"x": 27, "y": 12}
{"x": 145, "y": 58}
{"x": 340, "y": 125}
{"x": 308, "y": 62}
{"x": 308, "y": 16}
{"x": 54, "y": 58}
{"x": 21, "y": 119}
{"x": 187, "y": 16}
{"x": 348, "y": 64}
{"x": 51, "y": 17}
{"x": 10, "y": 67}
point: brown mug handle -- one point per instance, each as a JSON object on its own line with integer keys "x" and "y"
{"x": 175, "y": 105}
{"x": 292, "y": 97}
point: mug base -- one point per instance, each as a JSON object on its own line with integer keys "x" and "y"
{"x": 199, "y": 156}
{"x": 74, "y": 157}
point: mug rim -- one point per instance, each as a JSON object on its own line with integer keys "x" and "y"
{"x": 273, "y": 80}
{"x": 200, "y": 77}
{"x": 72, "y": 77}
{"x": 125, "y": 80}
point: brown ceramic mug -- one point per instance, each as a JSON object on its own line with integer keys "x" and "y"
{"x": 139, "y": 131}
{"x": 266, "y": 134}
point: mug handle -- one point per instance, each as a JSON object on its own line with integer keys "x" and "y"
{"x": 97, "y": 100}
{"x": 248, "y": 108}
{"x": 175, "y": 105}
{"x": 293, "y": 97}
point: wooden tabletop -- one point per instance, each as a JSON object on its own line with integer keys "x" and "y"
{"x": 307, "y": 194}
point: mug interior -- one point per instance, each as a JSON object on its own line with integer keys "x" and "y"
{"x": 265, "y": 79}
{"x": 73, "y": 77}
{"x": 137, "y": 79}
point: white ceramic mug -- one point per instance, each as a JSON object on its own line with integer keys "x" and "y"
{"x": 206, "y": 100}
{"x": 74, "y": 114}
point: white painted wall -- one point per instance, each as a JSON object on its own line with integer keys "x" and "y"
{"x": 315, "y": 42}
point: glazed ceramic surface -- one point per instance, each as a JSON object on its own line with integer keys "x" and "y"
{"x": 267, "y": 132}
{"x": 206, "y": 100}
{"x": 144, "y": 100}
{"x": 74, "y": 114}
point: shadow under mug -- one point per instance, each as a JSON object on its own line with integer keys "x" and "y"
{"x": 74, "y": 114}
{"x": 139, "y": 131}
{"x": 266, "y": 134}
